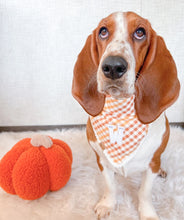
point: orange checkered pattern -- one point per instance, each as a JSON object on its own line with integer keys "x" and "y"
{"x": 119, "y": 129}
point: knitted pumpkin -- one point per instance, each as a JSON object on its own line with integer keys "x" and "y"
{"x": 34, "y": 166}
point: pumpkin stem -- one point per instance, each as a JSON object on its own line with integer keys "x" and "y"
{"x": 41, "y": 140}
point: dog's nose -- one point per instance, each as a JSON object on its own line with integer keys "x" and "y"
{"x": 114, "y": 67}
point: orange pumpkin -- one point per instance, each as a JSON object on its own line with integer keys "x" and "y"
{"x": 35, "y": 166}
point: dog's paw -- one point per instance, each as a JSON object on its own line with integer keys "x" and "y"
{"x": 148, "y": 216}
{"x": 104, "y": 207}
{"x": 102, "y": 211}
{"x": 147, "y": 212}
{"x": 162, "y": 173}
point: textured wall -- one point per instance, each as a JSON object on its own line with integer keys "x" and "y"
{"x": 39, "y": 44}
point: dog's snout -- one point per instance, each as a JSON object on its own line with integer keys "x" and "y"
{"x": 114, "y": 67}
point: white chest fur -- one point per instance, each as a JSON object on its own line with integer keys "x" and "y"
{"x": 145, "y": 152}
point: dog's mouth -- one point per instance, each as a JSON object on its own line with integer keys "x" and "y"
{"x": 116, "y": 92}
{"x": 119, "y": 89}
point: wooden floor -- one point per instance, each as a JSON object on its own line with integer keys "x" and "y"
{"x": 36, "y": 128}
{"x": 52, "y": 127}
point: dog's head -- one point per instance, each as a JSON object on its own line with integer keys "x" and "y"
{"x": 124, "y": 56}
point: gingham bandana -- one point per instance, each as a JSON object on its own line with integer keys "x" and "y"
{"x": 119, "y": 129}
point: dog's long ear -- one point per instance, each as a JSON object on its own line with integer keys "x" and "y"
{"x": 157, "y": 86}
{"x": 84, "y": 87}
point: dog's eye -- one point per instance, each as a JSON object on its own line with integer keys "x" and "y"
{"x": 103, "y": 33}
{"x": 140, "y": 33}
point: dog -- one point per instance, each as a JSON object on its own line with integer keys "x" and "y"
{"x": 125, "y": 78}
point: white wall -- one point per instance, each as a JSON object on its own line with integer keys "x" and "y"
{"x": 39, "y": 44}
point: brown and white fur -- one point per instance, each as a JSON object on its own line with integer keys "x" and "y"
{"x": 155, "y": 88}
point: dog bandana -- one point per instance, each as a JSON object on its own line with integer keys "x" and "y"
{"x": 119, "y": 129}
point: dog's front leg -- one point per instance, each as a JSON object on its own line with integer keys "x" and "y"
{"x": 146, "y": 209}
{"x": 108, "y": 201}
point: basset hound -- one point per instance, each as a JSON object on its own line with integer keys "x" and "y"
{"x": 125, "y": 78}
